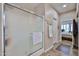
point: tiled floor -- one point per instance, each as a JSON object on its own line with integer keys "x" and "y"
{"x": 63, "y": 49}
{"x": 52, "y": 52}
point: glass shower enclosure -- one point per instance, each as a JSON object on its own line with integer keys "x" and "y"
{"x": 23, "y": 31}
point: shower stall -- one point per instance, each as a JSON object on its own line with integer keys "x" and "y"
{"x": 23, "y": 31}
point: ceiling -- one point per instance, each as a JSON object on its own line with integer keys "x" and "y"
{"x": 38, "y": 8}
{"x": 58, "y": 7}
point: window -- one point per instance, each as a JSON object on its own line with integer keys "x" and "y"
{"x": 71, "y": 28}
{"x": 66, "y": 27}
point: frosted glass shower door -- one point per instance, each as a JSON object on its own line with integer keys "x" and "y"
{"x": 19, "y": 32}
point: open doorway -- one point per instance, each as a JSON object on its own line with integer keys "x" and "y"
{"x": 66, "y": 13}
{"x": 66, "y": 31}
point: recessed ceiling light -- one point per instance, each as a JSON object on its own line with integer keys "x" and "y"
{"x": 64, "y": 6}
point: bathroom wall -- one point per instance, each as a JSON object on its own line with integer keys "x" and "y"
{"x": 68, "y": 16}
{"x": 50, "y": 13}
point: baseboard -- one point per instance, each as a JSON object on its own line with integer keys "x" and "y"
{"x": 49, "y": 49}
{"x": 38, "y": 53}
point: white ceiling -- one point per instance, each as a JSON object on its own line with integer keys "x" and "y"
{"x": 58, "y": 7}
{"x": 38, "y": 8}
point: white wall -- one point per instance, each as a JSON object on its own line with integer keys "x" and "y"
{"x": 49, "y": 14}
{"x": 68, "y": 16}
